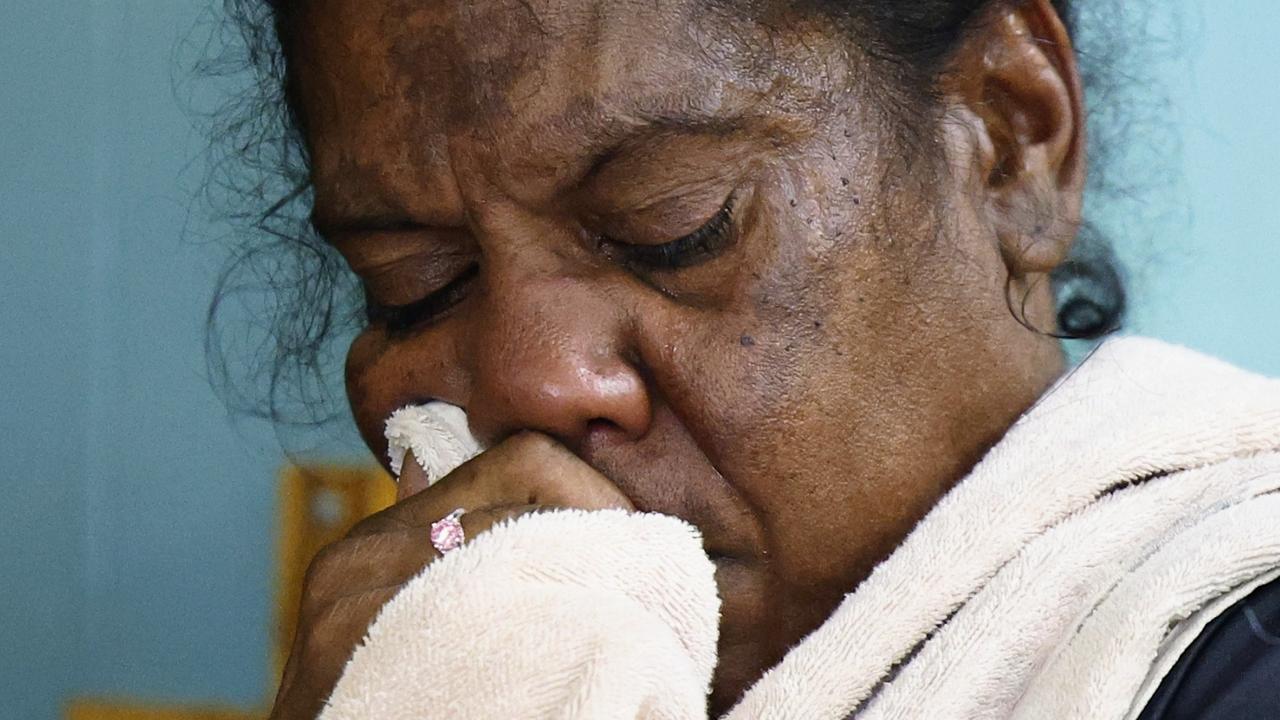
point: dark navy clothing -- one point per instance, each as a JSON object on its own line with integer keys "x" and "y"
{"x": 1232, "y": 669}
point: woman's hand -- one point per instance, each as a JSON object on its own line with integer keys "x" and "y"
{"x": 349, "y": 581}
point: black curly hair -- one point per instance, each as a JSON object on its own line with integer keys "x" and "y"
{"x": 286, "y": 304}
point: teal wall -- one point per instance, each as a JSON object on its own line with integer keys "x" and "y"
{"x": 44, "y": 324}
{"x": 135, "y": 520}
{"x": 135, "y": 517}
{"x": 1207, "y": 274}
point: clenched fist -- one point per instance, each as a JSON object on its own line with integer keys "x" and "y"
{"x": 349, "y": 581}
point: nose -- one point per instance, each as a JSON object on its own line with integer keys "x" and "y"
{"x": 549, "y": 355}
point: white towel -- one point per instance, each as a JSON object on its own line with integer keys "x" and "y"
{"x": 436, "y": 433}
{"x": 1060, "y": 579}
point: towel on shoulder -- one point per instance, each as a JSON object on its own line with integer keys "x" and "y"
{"x": 1063, "y": 578}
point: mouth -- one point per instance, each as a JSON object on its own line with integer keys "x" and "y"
{"x": 737, "y": 581}
{"x": 722, "y": 559}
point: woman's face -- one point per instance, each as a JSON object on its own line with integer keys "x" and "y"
{"x": 692, "y": 246}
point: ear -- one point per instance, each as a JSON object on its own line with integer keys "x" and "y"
{"x": 1015, "y": 91}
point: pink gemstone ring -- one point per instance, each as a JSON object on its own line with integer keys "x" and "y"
{"x": 446, "y": 533}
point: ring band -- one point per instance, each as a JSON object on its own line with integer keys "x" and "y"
{"x": 446, "y": 533}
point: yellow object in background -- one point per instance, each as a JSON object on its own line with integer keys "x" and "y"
{"x": 317, "y": 506}
{"x": 103, "y": 710}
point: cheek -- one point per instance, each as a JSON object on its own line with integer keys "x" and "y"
{"x": 821, "y": 382}
{"x": 368, "y": 388}
{"x": 383, "y": 376}
{"x": 737, "y": 373}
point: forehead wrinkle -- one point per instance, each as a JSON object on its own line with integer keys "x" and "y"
{"x": 336, "y": 204}
{"x": 570, "y": 49}
{"x": 579, "y": 100}
{"x": 588, "y": 83}
{"x": 567, "y": 149}
{"x": 355, "y": 187}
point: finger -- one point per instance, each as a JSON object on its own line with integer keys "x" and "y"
{"x": 390, "y": 556}
{"x": 320, "y": 652}
{"x": 527, "y": 469}
{"x": 413, "y": 479}
{"x": 366, "y": 560}
{"x": 551, "y": 474}
{"x": 480, "y": 521}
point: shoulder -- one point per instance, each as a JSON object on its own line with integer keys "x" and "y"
{"x": 1232, "y": 670}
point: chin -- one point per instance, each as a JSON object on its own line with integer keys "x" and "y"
{"x": 749, "y": 640}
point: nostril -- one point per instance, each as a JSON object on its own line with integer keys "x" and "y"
{"x": 599, "y": 433}
{"x": 601, "y": 426}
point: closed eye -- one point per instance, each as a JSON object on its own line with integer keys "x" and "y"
{"x": 399, "y": 319}
{"x": 697, "y": 247}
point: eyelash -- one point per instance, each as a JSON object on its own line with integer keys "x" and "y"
{"x": 692, "y": 249}
{"x": 399, "y": 319}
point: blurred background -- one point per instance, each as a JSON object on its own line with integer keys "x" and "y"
{"x": 150, "y": 539}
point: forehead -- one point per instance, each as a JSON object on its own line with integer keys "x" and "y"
{"x": 538, "y": 85}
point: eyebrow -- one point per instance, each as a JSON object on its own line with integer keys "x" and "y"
{"x": 374, "y": 208}
{"x": 654, "y": 128}
{"x": 377, "y": 209}
{"x": 364, "y": 223}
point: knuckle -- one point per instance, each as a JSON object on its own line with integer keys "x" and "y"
{"x": 325, "y": 562}
{"x": 319, "y": 577}
{"x": 528, "y": 441}
{"x": 377, "y": 524}
{"x": 337, "y": 565}
{"x": 334, "y": 572}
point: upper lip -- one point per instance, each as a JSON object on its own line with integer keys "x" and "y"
{"x": 717, "y": 554}
{"x": 715, "y": 514}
